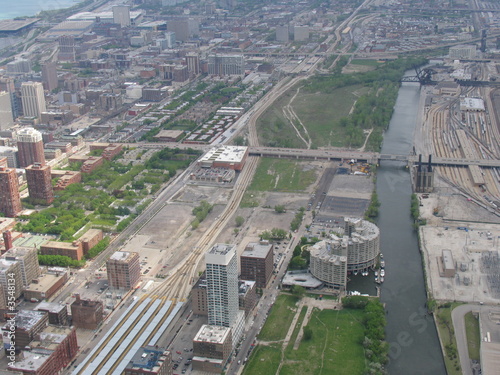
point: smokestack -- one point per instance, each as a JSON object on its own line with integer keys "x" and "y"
{"x": 419, "y": 163}
{"x": 429, "y": 167}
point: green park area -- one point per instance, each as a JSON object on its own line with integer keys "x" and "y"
{"x": 340, "y": 341}
{"x": 338, "y": 110}
{"x": 444, "y": 323}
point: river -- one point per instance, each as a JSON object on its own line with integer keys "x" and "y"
{"x": 411, "y": 332}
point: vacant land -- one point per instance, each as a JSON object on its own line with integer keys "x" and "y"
{"x": 334, "y": 348}
{"x": 279, "y": 319}
{"x": 319, "y": 112}
{"x": 282, "y": 175}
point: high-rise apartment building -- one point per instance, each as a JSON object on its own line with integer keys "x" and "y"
{"x": 49, "y": 76}
{"x": 39, "y": 184}
{"x": 121, "y": 15}
{"x": 123, "y": 270}
{"x": 222, "y": 285}
{"x": 6, "y": 118}
{"x": 33, "y": 99}
{"x": 226, "y": 65}
{"x": 282, "y": 33}
{"x": 10, "y": 201}
{"x": 257, "y": 263}
{"x": 30, "y": 147}
{"x": 7, "y": 84}
{"x": 27, "y": 257}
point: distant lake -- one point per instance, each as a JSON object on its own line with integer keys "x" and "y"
{"x": 19, "y": 8}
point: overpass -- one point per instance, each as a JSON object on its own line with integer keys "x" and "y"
{"x": 333, "y": 155}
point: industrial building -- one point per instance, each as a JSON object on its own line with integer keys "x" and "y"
{"x": 232, "y": 157}
{"x": 123, "y": 270}
{"x": 257, "y": 263}
{"x": 224, "y": 65}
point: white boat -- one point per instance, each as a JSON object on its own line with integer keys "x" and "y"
{"x": 377, "y": 280}
{"x": 382, "y": 272}
{"x": 376, "y": 273}
{"x": 381, "y": 279}
{"x": 355, "y": 273}
{"x": 382, "y": 263}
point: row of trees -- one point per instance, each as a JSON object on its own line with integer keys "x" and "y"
{"x": 201, "y": 212}
{"x": 374, "y": 321}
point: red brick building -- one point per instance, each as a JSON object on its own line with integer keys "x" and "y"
{"x": 74, "y": 249}
{"x": 257, "y": 263}
{"x": 40, "y": 184}
{"x": 90, "y": 238}
{"x": 124, "y": 270}
{"x": 91, "y": 163}
{"x": 10, "y": 201}
{"x": 66, "y": 178}
{"x": 86, "y": 314}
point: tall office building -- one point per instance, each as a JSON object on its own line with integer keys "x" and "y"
{"x": 123, "y": 270}
{"x": 39, "y": 184}
{"x": 49, "y": 76}
{"x": 121, "y": 15}
{"x": 193, "y": 63}
{"x": 226, "y": 65}
{"x": 30, "y": 147}
{"x": 33, "y": 99}
{"x": 300, "y": 33}
{"x": 222, "y": 284}
{"x": 6, "y": 118}
{"x": 67, "y": 48}
{"x": 257, "y": 263}
{"x": 27, "y": 257}
{"x": 184, "y": 28}
{"x": 10, "y": 201}
{"x": 170, "y": 38}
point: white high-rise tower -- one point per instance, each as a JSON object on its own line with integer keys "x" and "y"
{"x": 33, "y": 99}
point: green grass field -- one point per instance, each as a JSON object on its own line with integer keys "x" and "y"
{"x": 365, "y": 62}
{"x": 447, "y": 334}
{"x": 318, "y": 112}
{"x": 335, "y": 346}
{"x": 265, "y": 360}
{"x": 281, "y": 175}
{"x": 279, "y": 319}
{"x": 473, "y": 336}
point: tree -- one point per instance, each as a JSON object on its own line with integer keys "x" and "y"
{"x": 280, "y": 209}
{"x": 239, "y": 221}
{"x": 239, "y": 140}
{"x": 308, "y": 334}
{"x": 298, "y": 291}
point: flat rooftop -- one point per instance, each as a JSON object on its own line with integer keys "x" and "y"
{"x": 30, "y": 361}
{"x": 221, "y": 249}
{"x": 50, "y": 307}
{"x": 212, "y": 334}
{"x": 304, "y": 279}
{"x": 257, "y": 250}
{"x": 228, "y": 154}
{"x": 44, "y": 283}
{"x": 16, "y": 25}
{"x": 120, "y": 255}
{"x": 26, "y": 319}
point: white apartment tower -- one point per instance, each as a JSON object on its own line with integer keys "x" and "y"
{"x": 222, "y": 285}
{"x": 121, "y": 15}
{"x": 33, "y": 99}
